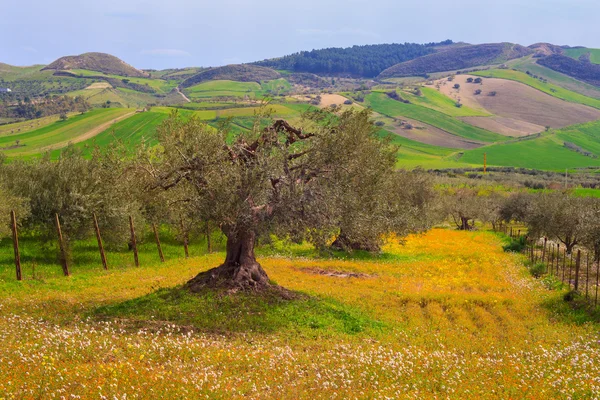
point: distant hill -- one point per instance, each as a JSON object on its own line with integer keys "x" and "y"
{"x": 456, "y": 58}
{"x": 237, "y": 72}
{"x": 100, "y": 62}
{"x": 582, "y": 70}
{"x": 358, "y": 61}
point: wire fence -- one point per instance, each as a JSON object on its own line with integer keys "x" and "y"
{"x": 576, "y": 268}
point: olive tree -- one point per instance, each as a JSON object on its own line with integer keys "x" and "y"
{"x": 273, "y": 179}
{"x": 74, "y": 188}
{"x": 558, "y": 215}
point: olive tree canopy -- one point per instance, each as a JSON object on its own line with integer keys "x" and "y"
{"x": 277, "y": 179}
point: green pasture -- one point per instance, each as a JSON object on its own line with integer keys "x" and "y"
{"x": 382, "y": 104}
{"x": 36, "y": 141}
{"x": 578, "y": 52}
{"x": 435, "y": 100}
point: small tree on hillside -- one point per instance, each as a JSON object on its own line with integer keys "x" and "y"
{"x": 274, "y": 179}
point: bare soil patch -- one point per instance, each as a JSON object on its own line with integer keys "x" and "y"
{"x": 518, "y": 101}
{"x": 328, "y": 100}
{"x": 335, "y": 274}
{"x": 504, "y": 125}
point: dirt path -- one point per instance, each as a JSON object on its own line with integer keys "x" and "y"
{"x": 182, "y": 95}
{"x": 89, "y": 134}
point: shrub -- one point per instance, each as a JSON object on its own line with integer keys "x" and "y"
{"x": 477, "y": 92}
{"x": 469, "y": 80}
{"x": 348, "y": 102}
{"x": 515, "y": 245}
{"x": 456, "y": 86}
{"x": 478, "y": 80}
{"x": 538, "y": 269}
{"x": 379, "y": 123}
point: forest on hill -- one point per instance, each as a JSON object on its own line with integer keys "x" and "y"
{"x": 362, "y": 61}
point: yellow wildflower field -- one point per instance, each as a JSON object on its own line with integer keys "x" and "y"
{"x": 446, "y": 315}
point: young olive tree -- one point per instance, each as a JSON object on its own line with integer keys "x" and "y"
{"x": 74, "y": 188}
{"x": 558, "y": 215}
{"x": 270, "y": 180}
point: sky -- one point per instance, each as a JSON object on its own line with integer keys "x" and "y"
{"x": 179, "y": 33}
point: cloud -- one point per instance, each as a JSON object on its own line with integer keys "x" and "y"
{"x": 336, "y": 32}
{"x": 165, "y": 53}
{"x": 29, "y": 49}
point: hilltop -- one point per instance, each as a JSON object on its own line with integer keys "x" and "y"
{"x": 100, "y": 62}
{"x": 359, "y": 61}
{"x": 456, "y": 58}
{"x": 237, "y": 72}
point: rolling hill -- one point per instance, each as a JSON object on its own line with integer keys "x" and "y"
{"x": 100, "y": 62}
{"x": 457, "y": 58}
{"x": 239, "y": 73}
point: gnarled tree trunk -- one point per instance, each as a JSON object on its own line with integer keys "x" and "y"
{"x": 342, "y": 242}
{"x": 240, "y": 271}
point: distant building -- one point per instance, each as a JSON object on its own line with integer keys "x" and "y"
{"x": 5, "y": 90}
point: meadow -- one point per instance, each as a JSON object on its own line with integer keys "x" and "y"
{"x": 382, "y": 104}
{"x": 579, "y": 51}
{"x": 546, "y": 152}
{"x": 435, "y": 100}
{"x": 447, "y": 315}
{"x": 37, "y": 141}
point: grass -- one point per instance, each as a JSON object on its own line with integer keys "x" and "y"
{"x": 450, "y": 315}
{"x": 382, "y": 104}
{"x": 435, "y": 100}
{"x": 131, "y": 132}
{"x": 26, "y": 126}
{"x": 553, "y": 90}
{"x": 557, "y": 78}
{"x": 546, "y": 152}
{"x": 578, "y": 52}
{"x": 37, "y": 141}
{"x": 222, "y": 89}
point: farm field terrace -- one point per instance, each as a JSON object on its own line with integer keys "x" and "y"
{"x": 547, "y": 152}
{"x": 448, "y": 315}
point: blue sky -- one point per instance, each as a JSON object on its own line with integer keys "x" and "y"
{"x": 178, "y": 33}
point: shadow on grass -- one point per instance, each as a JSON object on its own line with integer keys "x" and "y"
{"x": 220, "y": 312}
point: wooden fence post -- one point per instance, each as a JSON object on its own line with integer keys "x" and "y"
{"x": 185, "y": 240}
{"x": 564, "y": 263}
{"x": 587, "y": 274}
{"x": 133, "y": 242}
{"x": 100, "y": 245}
{"x": 577, "y": 267}
{"x": 557, "y": 258}
{"x": 544, "y": 250}
{"x": 15, "y": 237}
{"x": 61, "y": 244}
{"x": 160, "y": 252}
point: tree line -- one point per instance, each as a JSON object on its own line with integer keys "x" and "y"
{"x": 363, "y": 61}
{"x": 51, "y": 105}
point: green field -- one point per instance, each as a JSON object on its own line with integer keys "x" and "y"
{"x": 223, "y": 89}
{"x": 553, "y": 90}
{"x": 131, "y": 132}
{"x": 546, "y": 152}
{"x": 382, "y": 104}
{"x": 578, "y": 52}
{"x": 36, "y": 141}
{"x": 565, "y": 81}
{"x": 435, "y": 100}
